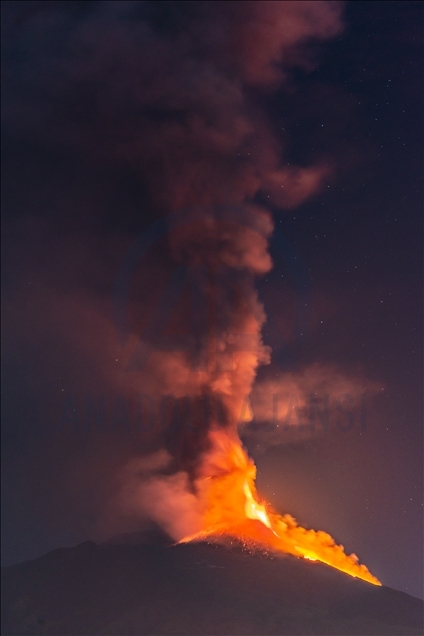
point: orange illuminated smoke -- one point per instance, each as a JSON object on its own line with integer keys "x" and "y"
{"x": 230, "y": 507}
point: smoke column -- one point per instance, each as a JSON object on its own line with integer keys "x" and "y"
{"x": 175, "y": 91}
{"x": 212, "y": 154}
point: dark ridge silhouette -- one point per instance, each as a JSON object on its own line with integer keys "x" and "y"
{"x": 151, "y": 535}
{"x": 131, "y": 587}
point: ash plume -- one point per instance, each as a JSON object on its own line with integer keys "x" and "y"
{"x": 173, "y": 92}
{"x": 167, "y": 87}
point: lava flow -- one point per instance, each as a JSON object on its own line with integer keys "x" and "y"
{"x": 231, "y": 507}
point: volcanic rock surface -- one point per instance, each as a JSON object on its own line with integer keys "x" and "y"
{"x": 128, "y": 586}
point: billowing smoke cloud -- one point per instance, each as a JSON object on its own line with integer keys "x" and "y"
{"x": 167, "y": 87}
{"x": 173, "y": 91}
{"x": 147, "y": 494}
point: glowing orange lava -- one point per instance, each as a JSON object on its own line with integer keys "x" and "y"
{"x": 230, "y": 507}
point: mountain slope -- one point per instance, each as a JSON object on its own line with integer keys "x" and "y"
{"x": 195, "y": 589}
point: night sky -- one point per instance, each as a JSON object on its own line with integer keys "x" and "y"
{"x": 87, "y": 170}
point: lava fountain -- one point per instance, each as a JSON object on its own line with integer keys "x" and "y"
{"x": 232, "y": 247}
{"x": 231, "y": 508}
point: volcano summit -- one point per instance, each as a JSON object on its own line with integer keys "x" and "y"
{"x": 195, "y": 588}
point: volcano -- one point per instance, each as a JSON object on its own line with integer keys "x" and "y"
{"x": 143, "y": 584}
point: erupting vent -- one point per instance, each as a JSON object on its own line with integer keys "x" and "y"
{"x": 231, "y": 507}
